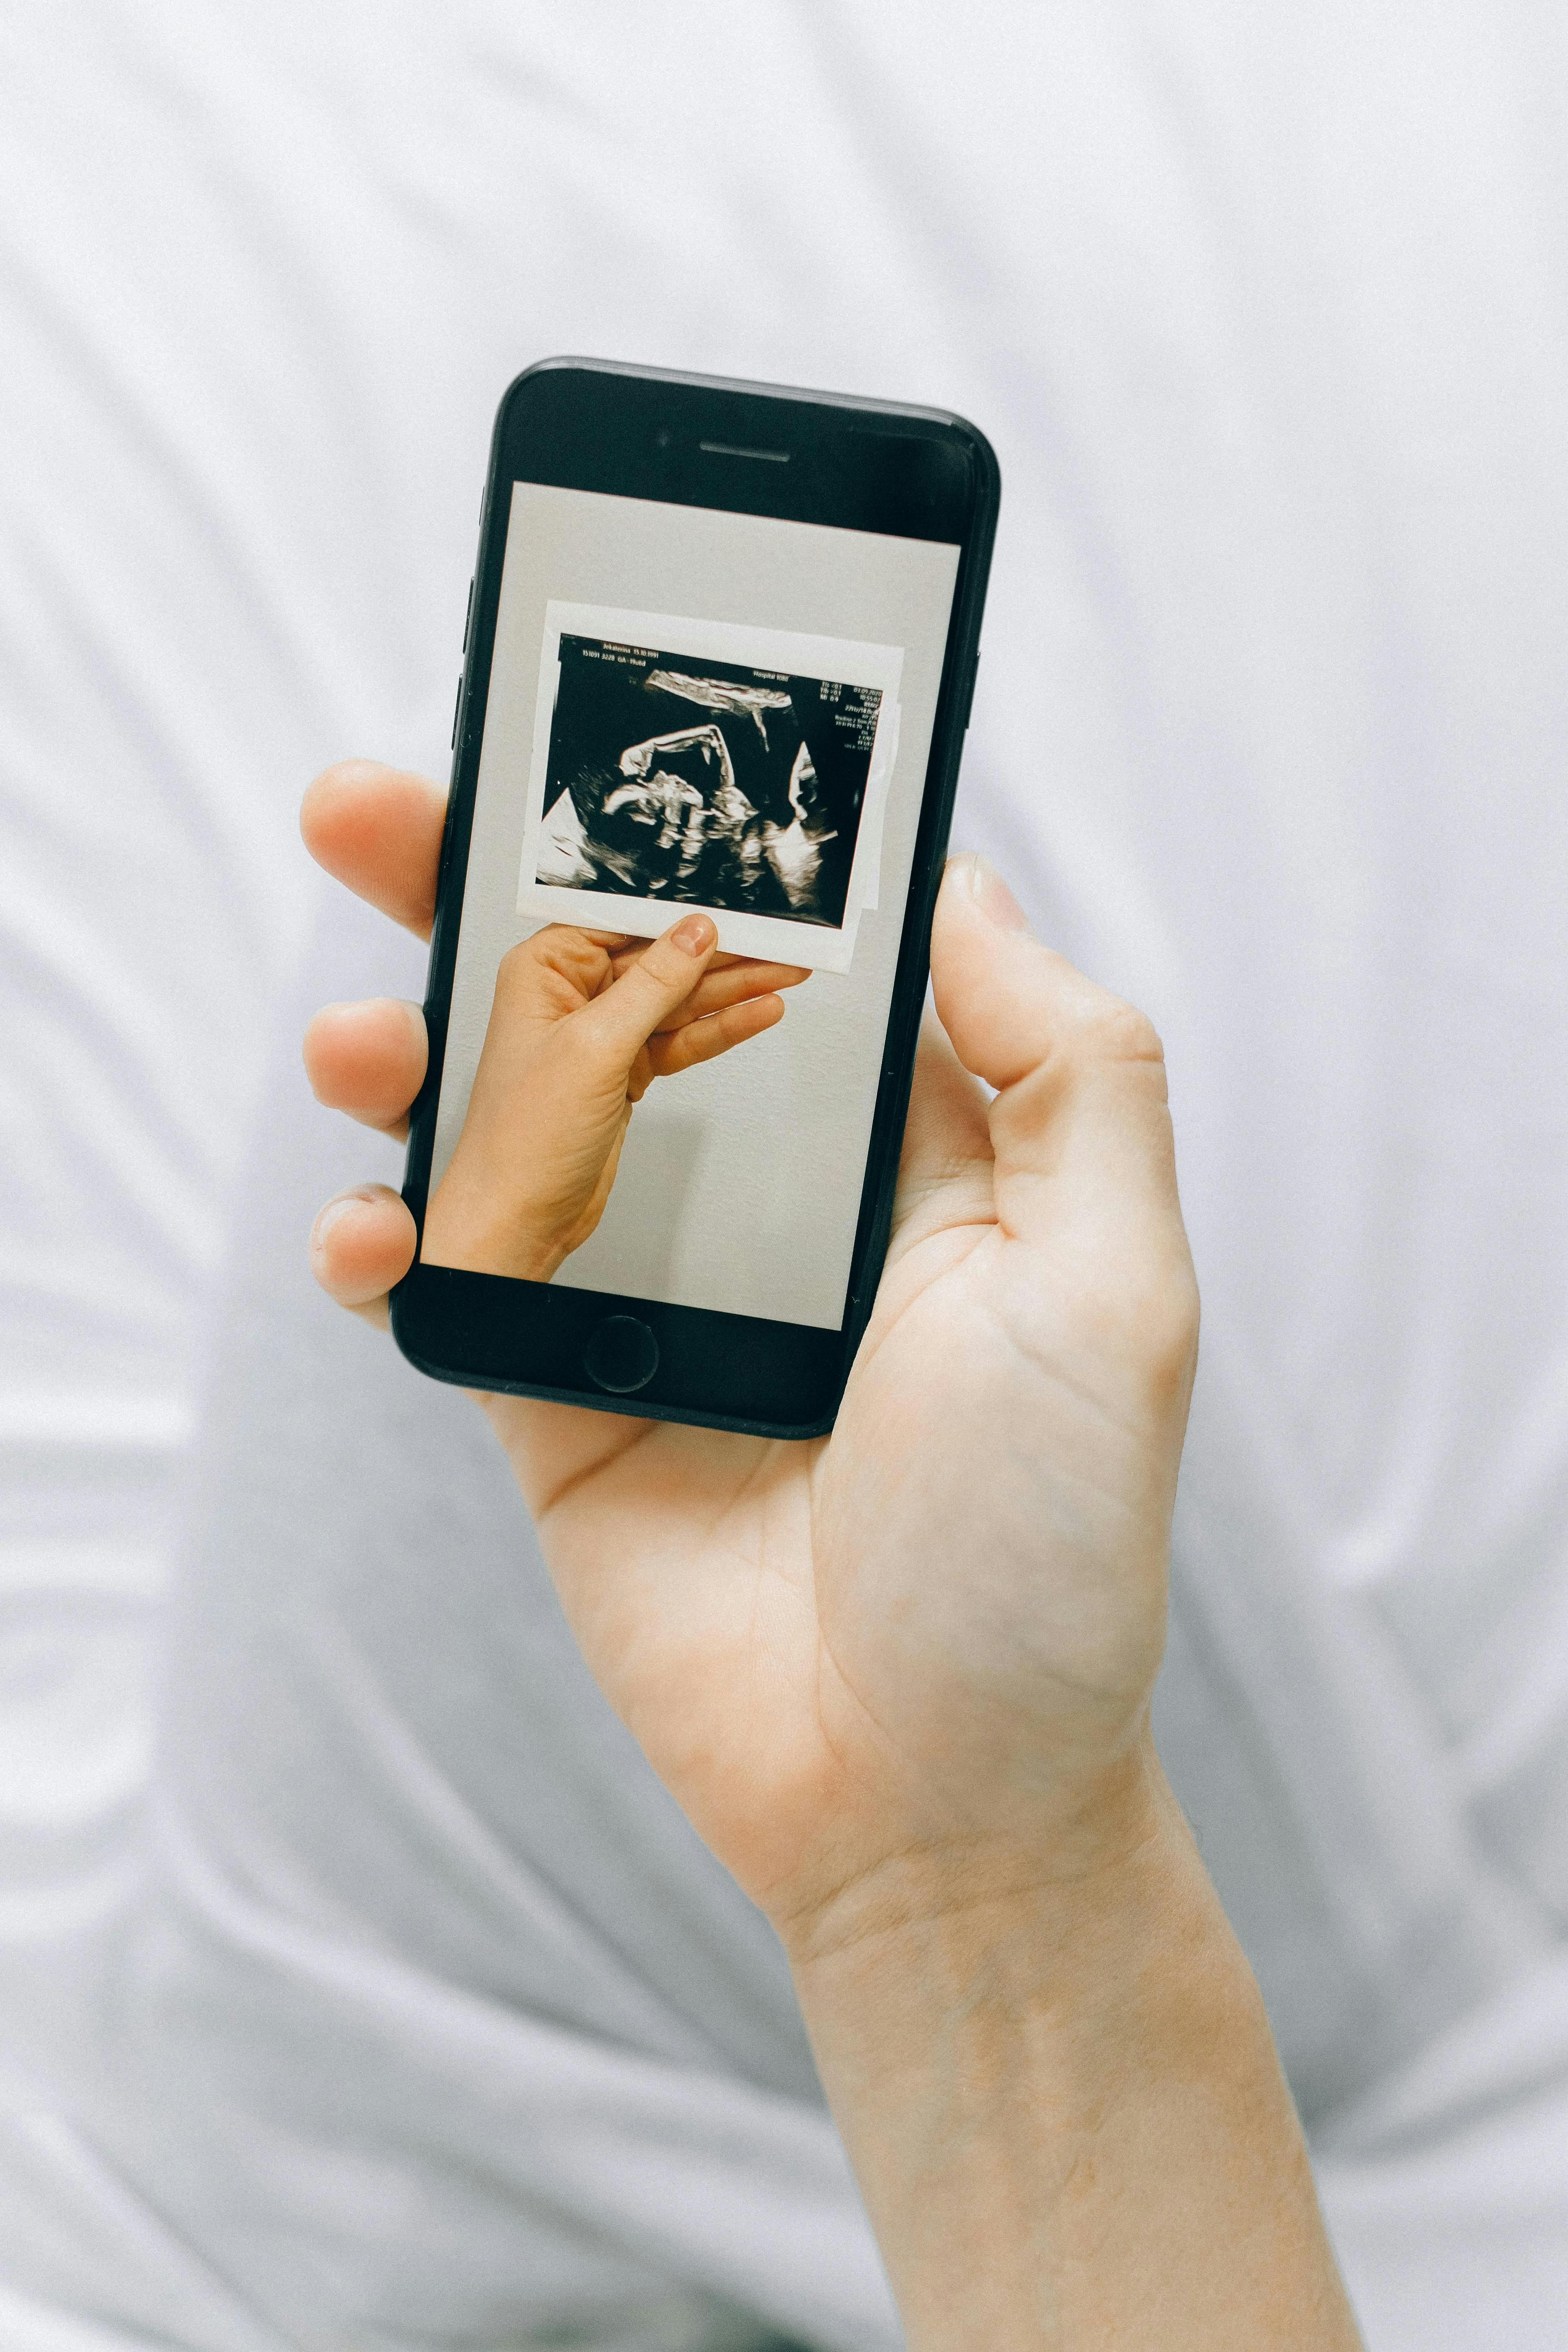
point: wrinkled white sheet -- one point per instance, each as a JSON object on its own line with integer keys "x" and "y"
{"x": 357, "y": 1984}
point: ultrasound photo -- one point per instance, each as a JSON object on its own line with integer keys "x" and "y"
{"x": 707, "y": 783}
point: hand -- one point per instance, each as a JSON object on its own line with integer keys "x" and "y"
{"x": 927, "y": 1642}
{"x": 581, "y": 1023}
{"x": 900, "y": 1678}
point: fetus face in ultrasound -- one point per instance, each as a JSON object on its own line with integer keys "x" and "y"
{"x": 710, "y": 784}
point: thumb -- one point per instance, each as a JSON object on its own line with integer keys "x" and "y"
{"x": 1080, "y": 1111}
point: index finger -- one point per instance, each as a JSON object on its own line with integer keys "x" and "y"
{"x": 1080, "y": 1123}
{"x": 378, "y": 830}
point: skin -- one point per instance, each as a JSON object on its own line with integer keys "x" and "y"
{"x": 900, "y": 1678}
{"x": 568, "y": 1054}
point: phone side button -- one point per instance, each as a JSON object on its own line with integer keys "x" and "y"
{"x": 622, "y": 1355}
{"x": 973, "y": 674}
{"x": 457, "y": 706}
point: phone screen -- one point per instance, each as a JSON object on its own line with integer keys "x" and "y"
{"x": 689, "y": 707}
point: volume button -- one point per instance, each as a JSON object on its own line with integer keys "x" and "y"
{"x": 455, "y": 707}
{"x": 969, "y": 697}
{"x": 468, "y": 616}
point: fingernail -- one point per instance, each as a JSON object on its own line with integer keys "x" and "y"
{"x": 993, "y": 897}
{"x": 695, "y": 936}
{"x": 328, "y": 1217}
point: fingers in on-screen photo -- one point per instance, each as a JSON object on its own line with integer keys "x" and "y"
{"x": 678, "y": 1047}
{"x": 734, "y": 981}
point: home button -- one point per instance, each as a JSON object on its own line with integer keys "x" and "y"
{"x": 622, "y": 1355}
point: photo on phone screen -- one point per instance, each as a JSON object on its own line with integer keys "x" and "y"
{"x": 757, "y": 797}
{"x": 690, "y": 708}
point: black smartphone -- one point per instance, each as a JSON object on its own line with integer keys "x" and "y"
{"x": 721, "y": 648}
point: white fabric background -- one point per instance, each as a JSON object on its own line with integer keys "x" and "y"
{"x": 356, "y": 1984}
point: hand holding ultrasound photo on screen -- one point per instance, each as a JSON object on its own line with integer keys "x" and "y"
{"x": 582, "y": 1024}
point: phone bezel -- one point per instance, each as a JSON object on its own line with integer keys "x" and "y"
{"x": 854, "y": 464}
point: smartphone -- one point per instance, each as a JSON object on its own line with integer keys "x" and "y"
{"x": 721, "y": 648}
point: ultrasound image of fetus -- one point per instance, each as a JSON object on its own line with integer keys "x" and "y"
{"x": 727, "y": 810}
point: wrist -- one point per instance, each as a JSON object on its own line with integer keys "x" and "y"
{"x": 462, "y": 1228}
{"x": 1082, "y": 1857}
{"x": 976, "y": 1988}
{"x": 994, "y": 1963}
{"x": 999, "y": 2001}
{"x": 1058, "y": 2092}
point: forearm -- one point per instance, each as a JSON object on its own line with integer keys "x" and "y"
{"x": 1063, "y": 2103}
